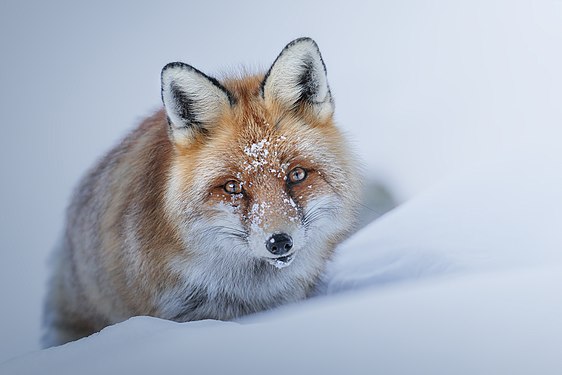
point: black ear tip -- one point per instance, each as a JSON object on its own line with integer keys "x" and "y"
{"x": 176, "y": 65}
{"x": 304, "y": 39}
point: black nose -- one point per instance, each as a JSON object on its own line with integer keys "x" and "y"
{"x": 279, "y": 244}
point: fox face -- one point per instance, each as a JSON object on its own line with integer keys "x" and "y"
{"x": 260, "y": 174}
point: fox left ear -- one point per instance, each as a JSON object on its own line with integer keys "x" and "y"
{"x": 298, "y": 76}
{"x": 193, "y": 101}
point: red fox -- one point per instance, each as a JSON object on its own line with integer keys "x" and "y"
{"x": 228, "y": 201}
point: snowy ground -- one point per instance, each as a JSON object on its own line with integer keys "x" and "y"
{"x": 454, "y": 106}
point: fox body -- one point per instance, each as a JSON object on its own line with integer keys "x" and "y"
{"x": 228, "y": 201}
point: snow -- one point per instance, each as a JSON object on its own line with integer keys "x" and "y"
{"x": 463, "y": 279}
{"x": 282, "y": 263}
{"x": 474, "y": 325}
{"x": 258, "y": 152}
{"x": 453, "y": 106}
{"x": 505, "y": 215}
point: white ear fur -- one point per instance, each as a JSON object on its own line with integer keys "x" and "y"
{"x": 297, "y": 76}
{"x": 193, "y": 101}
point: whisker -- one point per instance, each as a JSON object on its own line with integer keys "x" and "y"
{"x": 226, "y": 231}
{"x": 316, "y": 213}
{"x": 377, "y": 212}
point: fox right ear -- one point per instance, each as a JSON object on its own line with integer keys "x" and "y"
{"x": 297, "y": 77}
{"x": 193, "y": 100}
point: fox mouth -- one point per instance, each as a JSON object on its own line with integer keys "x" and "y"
{"x": 281, "y": 262}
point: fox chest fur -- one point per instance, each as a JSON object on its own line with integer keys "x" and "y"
{"x": 228, "y": 201}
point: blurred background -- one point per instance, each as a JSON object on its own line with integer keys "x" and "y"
{"x": 424, "y": 89}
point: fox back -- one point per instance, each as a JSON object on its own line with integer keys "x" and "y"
{"x": 228, "y": 201}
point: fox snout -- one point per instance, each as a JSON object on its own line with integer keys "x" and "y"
{"x": 279, "y": 244}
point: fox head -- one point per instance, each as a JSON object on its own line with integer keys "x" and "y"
{"x": 260, "y": 174}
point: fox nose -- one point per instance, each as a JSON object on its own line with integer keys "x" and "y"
{"x": 279, "y": 244}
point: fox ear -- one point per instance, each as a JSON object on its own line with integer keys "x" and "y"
{"x": 193, "y": 101}
{"x": 298, "y": 76}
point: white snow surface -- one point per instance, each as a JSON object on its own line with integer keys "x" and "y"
{"x": 464, "y": 279}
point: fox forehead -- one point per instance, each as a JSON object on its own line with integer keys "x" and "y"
{"x": 254, "y": 137}
{"x": 254, "y": 156}
{"x": 257, "y": 143}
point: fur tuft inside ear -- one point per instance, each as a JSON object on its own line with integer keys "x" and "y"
{"x": 298, "y": 76}
{"x": 193, "y": 100}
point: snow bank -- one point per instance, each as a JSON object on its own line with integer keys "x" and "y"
{"x": 506, "y": 323}
{"x": 464, "y": 279}
{"x": 505, "y": 214}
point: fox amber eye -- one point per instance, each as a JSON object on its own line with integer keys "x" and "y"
{"x": 233, "y": 187}
{"x": 297, "y": 175}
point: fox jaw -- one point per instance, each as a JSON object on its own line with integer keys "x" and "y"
{"x": 261, "y": 181}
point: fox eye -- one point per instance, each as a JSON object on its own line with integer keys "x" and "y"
{"x": 233, "y": 187}
{"x": 297, "y": 175}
